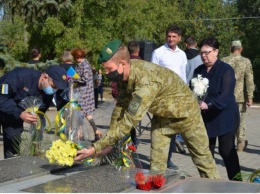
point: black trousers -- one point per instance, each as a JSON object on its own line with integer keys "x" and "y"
{"x": 96, "y": 96}
{"x": 228, "y": 153}
{"x": 12, "y": 130}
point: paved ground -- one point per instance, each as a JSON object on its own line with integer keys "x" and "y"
{"x": 249, "y": 159}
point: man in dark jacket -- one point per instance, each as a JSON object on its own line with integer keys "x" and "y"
{"x": 18, "y": 84}
{"x": 193, "y": 56}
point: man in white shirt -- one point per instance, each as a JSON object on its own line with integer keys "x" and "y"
{"x": 171, "y": 56}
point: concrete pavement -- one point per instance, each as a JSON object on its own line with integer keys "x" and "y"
{"x": 249, "y": 159}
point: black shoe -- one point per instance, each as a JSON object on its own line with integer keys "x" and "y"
{"x": 246, "y": 143}
{"x": 180, "y": 147}
{"x": 170, "y": 165}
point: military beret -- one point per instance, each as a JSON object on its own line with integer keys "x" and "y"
{"x": 59, "y": 76}
{"x": 236, "y": 43}
{"x": 108, "y": 51}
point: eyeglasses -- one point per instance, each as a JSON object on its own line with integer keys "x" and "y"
{"x": 206, "y": 52}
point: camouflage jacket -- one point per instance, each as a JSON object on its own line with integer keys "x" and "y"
{"x": 244, "y": 88}
{"x": 152, "y": 88}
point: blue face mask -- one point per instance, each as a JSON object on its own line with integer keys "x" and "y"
{"x": 49, "y": 90}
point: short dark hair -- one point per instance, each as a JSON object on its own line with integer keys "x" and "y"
{"x": 190, "y": 40}
{"x": 210, "y": 41}
{"x": 133, "y": 47}
{"x": 35, "y": 52}
{"x": 174, "y": 29}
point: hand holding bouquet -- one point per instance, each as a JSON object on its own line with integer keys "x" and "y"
{"x": 199, "y": 87}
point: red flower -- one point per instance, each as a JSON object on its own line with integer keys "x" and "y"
{"x": 158, "y": 181}
{"x": 140, "y": 178}
{"x": 150, "y": 182}
{"x": 132, "y": 147}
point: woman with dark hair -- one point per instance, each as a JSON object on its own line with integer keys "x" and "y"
{"x": 85, "y": 86}
{"x": 35, "y": 56}
{"x": 219, "y": 109}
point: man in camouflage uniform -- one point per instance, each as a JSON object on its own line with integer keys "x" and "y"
{"x": 150, "y": 87}
{"x": 244, "y": 88}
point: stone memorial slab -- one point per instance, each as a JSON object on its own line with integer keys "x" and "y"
{"x": 23, "y": 167}
{"x": 93, "y": 180}
{"x": 202, "y": 185}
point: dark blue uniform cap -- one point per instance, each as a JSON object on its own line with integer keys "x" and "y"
{"x": 59, "y": 76}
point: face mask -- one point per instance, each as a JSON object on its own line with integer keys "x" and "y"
{"x": 115, "y": 76}
{"x": 48, "y": 90}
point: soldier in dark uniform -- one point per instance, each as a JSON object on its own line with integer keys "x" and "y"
{"x": 17, "y": 85}
{"x": 143, "y": 87}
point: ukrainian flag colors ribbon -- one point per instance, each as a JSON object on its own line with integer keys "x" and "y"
{"x": 126, "y": 158}
{"x": 60, "y": 122}
{"x": 36, "y": 110}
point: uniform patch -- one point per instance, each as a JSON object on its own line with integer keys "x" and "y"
{"x": 25, "y": 89}
{"x": 135, "y": 104}
{"x": 4, "y": 89}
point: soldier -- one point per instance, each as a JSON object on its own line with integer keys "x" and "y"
{"x": 17, "y": 85}
{"x": 150, "y": 87}
{"x": 244, "y": 89}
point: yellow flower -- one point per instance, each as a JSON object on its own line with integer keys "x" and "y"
{"x": 62, "y": 152}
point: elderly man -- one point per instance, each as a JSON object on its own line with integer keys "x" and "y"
{"x": 150, "y": 87}
{"x": 244, "y": 89}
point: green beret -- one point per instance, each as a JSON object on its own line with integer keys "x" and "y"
{"x": 108, "y": 51}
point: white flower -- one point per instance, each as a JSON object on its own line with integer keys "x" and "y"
{"x": 200, "y": 86}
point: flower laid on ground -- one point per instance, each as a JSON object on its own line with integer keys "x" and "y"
{"x": 200, "y": 86}
{"x": 150, "y": 182}
{"x": 62, "y": 152}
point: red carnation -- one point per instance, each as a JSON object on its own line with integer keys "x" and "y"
{"x": 140, "y": 178}
{"x": 132, "y": 147}
{"x": 158, "y": 181}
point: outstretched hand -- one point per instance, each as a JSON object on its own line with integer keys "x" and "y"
{"x": 85, "y": 153}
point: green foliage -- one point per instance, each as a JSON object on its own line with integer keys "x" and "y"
{"x": 54, "y": 25}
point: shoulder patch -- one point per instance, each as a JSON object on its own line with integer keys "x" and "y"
{"x": 135, "y": 104}
{"x": 4, "y": 89}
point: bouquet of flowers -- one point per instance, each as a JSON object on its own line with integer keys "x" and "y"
{"x": 32, "y": 137}
{"x": 199, "y": 87}
{"x": 62, "y": 152}
{"x": 149, "y": 182}
{"x": 69, "y": 124}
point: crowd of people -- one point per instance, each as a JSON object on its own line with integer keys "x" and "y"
{"x": 161, "y": 87}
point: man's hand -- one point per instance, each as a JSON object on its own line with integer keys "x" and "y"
{"x": 85, "y": 153}
{"x": 249, "y": 102}
{"x": 28, "y": 117}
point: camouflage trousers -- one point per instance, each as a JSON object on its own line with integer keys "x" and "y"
{"x": 195, "y": 137}
{"x": 241, "y": 132}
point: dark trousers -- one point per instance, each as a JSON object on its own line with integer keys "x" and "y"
{"x": 12, "y": 130}
{"x": 100, "y": 91}
{"x": 96, "y": 96}
{"x": 172, "y": 147}
{"x": 228, "y": 152}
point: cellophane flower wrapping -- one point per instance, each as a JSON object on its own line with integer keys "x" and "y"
{"x": 199, "y": 87}
{"x": 121, "y": 155}
{"x": 33, "y": 134}
{"x": 73, "y": 132}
